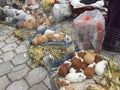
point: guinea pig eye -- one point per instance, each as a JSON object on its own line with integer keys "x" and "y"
{"x": 81, "y": 75}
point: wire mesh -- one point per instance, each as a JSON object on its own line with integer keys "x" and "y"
{"x": 111, "y": 43}
{"x": 112, "y": 39}
{"x": 88, "y": 37}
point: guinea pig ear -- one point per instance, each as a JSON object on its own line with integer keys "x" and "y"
{"x": 82, "y": 71}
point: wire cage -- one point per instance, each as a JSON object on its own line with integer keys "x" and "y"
{"x": 89, "y": 30}
{"x": 88, "y": 37}
{"x": 111, "y": 43}
{"x": 112, "y": 39}
{"x": 111, "y": 46}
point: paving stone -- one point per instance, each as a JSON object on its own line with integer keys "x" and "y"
{"x": 4, "y": 82}
{"x": 1, "y": 61}
{"x": 19, "y": 59}
{"x": 1, "y": 52}
{"x": 2, "y": 44}
{"x": 3, "y": 27}
{"x": 11, "y": 39}
{"x": 27, "y": 43}
{"x": 117, "y": 58}
{"x": 29, "y": 63}
{"x": 7, "y": 56}
{"x": 19, "y": 42}
{"x": 18, "y": 85}
{"x": 18, "y": 72}
{"x": 36, "y": 75}
{"x": 6, "y": 32}
{"x": 47, "y": 82}
{"x": 9, "y": 47}
{"x": 21, "y": 49}
{"x": 41, "y": 86}
{"x": 5, "y": 68}
{"x": 3, "y": 38}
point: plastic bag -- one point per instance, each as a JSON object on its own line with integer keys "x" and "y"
{"x": 60, "y": 11}
{"x": 63, "y": 1}
{"x": 88, "y": 18}
{"x": 90, "y": 27}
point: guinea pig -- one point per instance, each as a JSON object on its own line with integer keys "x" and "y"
{"x": 63, "y": 69}
{"x": 75, "y": 77}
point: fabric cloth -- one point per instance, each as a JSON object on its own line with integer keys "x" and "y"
{"x": 112, "y": 35}
{"x": 88, "y": 1}
{"x": 98, "y": 4}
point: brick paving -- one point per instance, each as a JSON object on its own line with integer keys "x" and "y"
{"x": 15, "y": 70}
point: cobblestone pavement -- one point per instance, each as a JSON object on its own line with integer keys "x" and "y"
{"x": 15, "y": 70}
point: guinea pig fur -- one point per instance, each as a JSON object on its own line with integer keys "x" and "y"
{"x": 100, "y": 67}
{"x": 81, "y": 53}
{"x": 78, "y": 64}
{"x": 75, "y": 77}
{"x": 61, "y": 82}
{"x": 89, "y": 57}
{"x": 89, "y": 72}
{"x": 63, "y": 70}
{"x": 97, "y": 59}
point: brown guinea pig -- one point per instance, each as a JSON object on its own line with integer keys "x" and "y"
{"x": 89, "y": 72}
{"x": 89, "y": 57}
{"x": 81, "y": 53}
{"x": 21, "y": 24}
{"x": 97, "y": 58}
{"x": 63, "y": 70}
{"x": 78, "y": 64}
{"x": 34, "y": 41}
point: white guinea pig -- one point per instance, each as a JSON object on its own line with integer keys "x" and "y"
{"x": 100, "y": 67}
{"x": 75, "y": 77}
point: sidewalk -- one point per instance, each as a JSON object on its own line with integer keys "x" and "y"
{"x": 15, "y": 70}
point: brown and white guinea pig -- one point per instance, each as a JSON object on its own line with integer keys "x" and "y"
{"x": 64, "y": 68}
{"x": 81, "y": 53}
{"x": 97, "y": 58}
{"x": 89, "y": 57}
{"x": 78, "y": 64}
{"x": 90, "y": 70}
{"x": 21, "y": 24}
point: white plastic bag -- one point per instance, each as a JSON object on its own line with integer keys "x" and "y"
{"x": 60, "y": 11}
{"x": 90, "y": 27}
{"x": 63, "y": 1}
{"x": 88, "y": 18}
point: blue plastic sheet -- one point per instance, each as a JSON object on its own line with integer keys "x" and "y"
{"x": 55, "y": 63}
